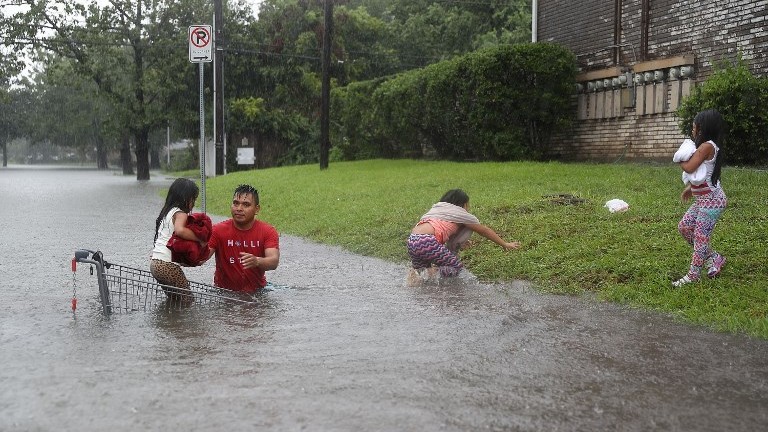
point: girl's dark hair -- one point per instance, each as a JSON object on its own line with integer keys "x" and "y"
{"x": 710, "y": 128}
{"x": 456, "y": 197}
{"x": 181, "y": 192}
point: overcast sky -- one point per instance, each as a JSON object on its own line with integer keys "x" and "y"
{"x": 255, "y": 4}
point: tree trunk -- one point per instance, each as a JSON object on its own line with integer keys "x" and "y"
{"x": 125, "y": 155}
{"x": 101, "y": 155}
{"x": 142, "y": 154}
{"x": 267, "y": 150}
{"x": 142, "y": 134}
{"x": 154, "y": 158}
{"x": 5, "y": 153}
{"x": 101, "y": 151}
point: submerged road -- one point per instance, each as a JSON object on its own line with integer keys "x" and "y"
{"x": 339, "y": 343}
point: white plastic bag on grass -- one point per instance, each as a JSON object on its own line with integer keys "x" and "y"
{"x": 616, "y": 205}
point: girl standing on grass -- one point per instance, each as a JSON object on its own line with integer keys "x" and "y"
{"x": 698, "y": 222}
{"x": 173, "y": 219}
{"x": 436, "y": 239}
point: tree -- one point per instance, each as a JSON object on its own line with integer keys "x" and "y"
{"x": 8, "y": 121}
{"x": 67, "y": 111}
{"x": 431, "y": 30}
{"x": 371, "y": 39}
{"x": 9, "y": 68}
{"x": 134, "y": 51}
{"x": 135, "y": 54}
{"x": 363, "y": 47}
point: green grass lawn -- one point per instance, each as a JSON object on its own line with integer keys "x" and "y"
{"x": 631, "y": 258}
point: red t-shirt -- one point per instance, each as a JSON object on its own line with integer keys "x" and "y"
{"x": 228, "y": 241}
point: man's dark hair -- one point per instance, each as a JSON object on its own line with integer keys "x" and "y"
{"x": 245, "y": 189}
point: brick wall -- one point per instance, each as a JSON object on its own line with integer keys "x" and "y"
{"x": 586, "y": 25}
{"x": 708, "y": 31}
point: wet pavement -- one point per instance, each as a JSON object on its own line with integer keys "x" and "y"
{"x": 339, "y": 343}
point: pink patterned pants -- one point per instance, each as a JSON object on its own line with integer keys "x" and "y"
{"x": 697, "y": 225}
{"x": 425, "y": 251}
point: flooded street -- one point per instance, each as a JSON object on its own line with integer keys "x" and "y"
{"x": 339, "y": 343}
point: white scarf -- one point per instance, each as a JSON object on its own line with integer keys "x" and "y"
{"x": 453, "y": 213}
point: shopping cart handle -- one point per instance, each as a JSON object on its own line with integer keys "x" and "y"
{"x": 82, "y": 254}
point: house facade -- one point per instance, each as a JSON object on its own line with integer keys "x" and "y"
{"x": 638, "y": 59}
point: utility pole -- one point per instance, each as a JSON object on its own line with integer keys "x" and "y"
{"x": 218, "y": 85}
{"x": 5, "y": 148}
{"x": 325, "y": 98}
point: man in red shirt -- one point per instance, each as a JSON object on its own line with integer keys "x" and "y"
{"x": 245, "y": 247}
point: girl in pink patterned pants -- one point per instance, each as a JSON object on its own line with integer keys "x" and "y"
{"x": 698, "y": 222}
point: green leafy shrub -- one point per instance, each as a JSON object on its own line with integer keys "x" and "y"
{"x": 499, "y": 103}
{"x": 281, "y": 137}
{"x": 742, "y": 99}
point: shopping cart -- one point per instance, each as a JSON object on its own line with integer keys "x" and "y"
{"x": 126, "y": 289}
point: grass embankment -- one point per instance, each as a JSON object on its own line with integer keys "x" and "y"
{"x": 369, "y": 207}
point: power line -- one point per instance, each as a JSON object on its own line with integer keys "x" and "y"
{"x": 491, "y": 3}
{"x": 268, "y": 54}
{"x": 182, "y": 46}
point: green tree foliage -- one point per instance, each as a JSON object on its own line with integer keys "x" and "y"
{"x": 136, "y": 54}
{"x": 436, "y": 30}
{"x": 11, "y": 65}
{"x": 134, "y": 51}
{"x": 284, "y": 74}
{"x": 108, "y": 45}
{"x": 286, "y": 52}
{"x": 372, "y": 39}
{"x": 363, "y": 47}
{"x": 499, "y": 103}
{"x": 279, "y": 137}
{"x": 742, "y": 99}
{"x": 67, "y": 111}
{"x": 13, "y": 59}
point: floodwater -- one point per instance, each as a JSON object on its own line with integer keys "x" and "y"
{"x": 339, "y": 343}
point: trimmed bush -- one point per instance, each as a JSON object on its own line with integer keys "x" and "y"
{"x": 500, "y": 103}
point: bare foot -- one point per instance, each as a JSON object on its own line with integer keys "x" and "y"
{"x": 433, "y": 274}
{"x": 413, "y": 279}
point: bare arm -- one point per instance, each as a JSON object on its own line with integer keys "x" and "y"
{"x": 491, "y": 235}
{"x": 180, "y": 227}
{"x": 686, "y": 194}
{"x": 703, "y": 153}
{"x": 269, "y": 261}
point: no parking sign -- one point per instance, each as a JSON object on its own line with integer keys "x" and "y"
{"x": 200, "y": 44}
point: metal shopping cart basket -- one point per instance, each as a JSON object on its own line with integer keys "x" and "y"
{"x": 126, "y": 289}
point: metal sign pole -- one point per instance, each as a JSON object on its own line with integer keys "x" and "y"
{"x": 202, "y": 141}
{"x": 200, "y": 51}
